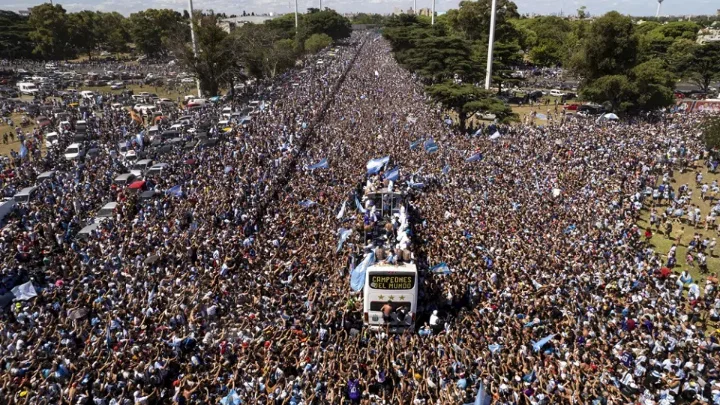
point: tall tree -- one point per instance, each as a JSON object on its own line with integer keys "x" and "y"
{"x": 214, "y": 64}
{"x": 327, "y": 22}
{"x": 465, "y": 99}
{"x": 317, "y": 42}
{"x": 472, "y": 19}
{"x": 84, "y": 31}
{"x": 50, "y": 32}
{"x": 113, "y": 32}
{"x": 152, "y": 29}
{"x": 610, "y": 47}
{"x": 704, "y": 66}
{"x": 15, "y": 36}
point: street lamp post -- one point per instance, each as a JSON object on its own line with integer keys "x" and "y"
{"x": 432, "y": 18}
{"x": 194, "y": 43}
{"x": 491, "y": 41}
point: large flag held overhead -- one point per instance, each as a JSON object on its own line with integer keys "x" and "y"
{"x": 393, "y": 174}
{"x": 474, "y": 157}
{"x": 415, "y": 144}
{"x": 357, "y": 276}
{"x": 482, "y": 397}
{"x": 542, "y": 342}
{"x": 24, "y": 292}
{"x": 307, "y": 203}
{"x": 323, "y": 164}
{"x": 344, "y": 234}
{"x": 441, "y": 268}
{"x": 342, "y": 211}
{"x": 175, "y": 191}
{"x": 374, "y": 165}
{"x": 23, "y": 151}
{"x": 359, "y": 206}
{"x": 430, "y": 146}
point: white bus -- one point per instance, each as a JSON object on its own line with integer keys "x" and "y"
{"x": 390, "y": 294}
{"x": 395, "y": 286}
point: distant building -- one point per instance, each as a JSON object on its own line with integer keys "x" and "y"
{"x": 24, "y": 13}
{"x": 425, "y": 11}
{"x": 229, "y": 24}
{"x": 708, "y": 35}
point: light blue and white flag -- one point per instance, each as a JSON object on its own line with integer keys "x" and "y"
{"x": 323, "y": 164}
{"x": 23, "y": 150}
{"x": 139, "y": 138}
{"x": 231, "y": 399}
{"x": 359, "y": 206}
{"x": 307, "y": 203}
{"x": 441, "y": 268}
{"x": 482, "y": 397}
{"x": 415, "y": 144}
{"x": 357, "y": 277}
{"x": 446, "y": 169}
{"x": 542, "y": 342}
{"x": 541, "y": 116}
{"x": 344, "y": 234}
{"x": 342, "y": 211}
{"x": 374, "y": 165}
{"x": 430, "y": 146}
{"x": 474, "y": 157}
{"x": 494, "y": 348}
{"x": 393, "y": 174}
{"x": 175, "y": 191}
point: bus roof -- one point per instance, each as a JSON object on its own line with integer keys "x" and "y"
{"x": 387, "y": 267}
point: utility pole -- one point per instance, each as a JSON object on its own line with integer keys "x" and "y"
{"x": 296, "y": 17}
{"x": 432, "y": 19}
{"x": 415, "y": 7}
{"x": 194, "y": 43}
{"x": 320, "y": 5}
{"x": 491, "y": 41}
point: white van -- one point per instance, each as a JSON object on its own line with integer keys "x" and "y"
{"x": 87, "y": 94}
{"x": 556, "y": 93}
{"x": 51, "y": 139}
{"x": 27, "y": 88}
{"x": 74, "y": 151}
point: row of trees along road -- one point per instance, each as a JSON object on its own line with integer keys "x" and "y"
{"x": 624, "y": 64}
{"x": 262, "y": 50}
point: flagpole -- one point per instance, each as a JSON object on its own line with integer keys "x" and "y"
{"x": 432, "y": 21}
{"x": 491, "y": 41}
{"x": 194, "y": 43}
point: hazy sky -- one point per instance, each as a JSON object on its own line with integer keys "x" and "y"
{"x": 634, "y": 7}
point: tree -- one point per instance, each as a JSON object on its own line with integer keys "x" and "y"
{"x": 325, "y": 22}
{"x": 317, "y": 42}
{"x": 647, "y": 87}
{"x": 610, "y": 48}
{"x": 582, "y": 12}
{"x": 472, "y": 19}
{"x": 49, "y": 31}
{"x": 112, "y": 31}
{"x": 151, "y": 30}
{"x": 262, "y": 50}
{"x": 613, "y": 90}
{"x": 711, "y": 132}
{"x": 214, "y": 64}
{"x": 15, "y": 36}
{"x": 704, "y": 66}
{"x": 654, "y": 85}
{"x": 466, "y": 99}
{"x": 546, "y": 39}
{"x": 83, "y": 27}
{"x": 439, "y": 58}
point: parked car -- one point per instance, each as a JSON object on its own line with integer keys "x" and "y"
{"x": 571, "y": 107}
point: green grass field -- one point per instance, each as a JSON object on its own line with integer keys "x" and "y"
{"x": 662, "y": 242}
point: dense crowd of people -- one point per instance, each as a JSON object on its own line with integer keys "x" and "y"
{"x": 231, "y": 291}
